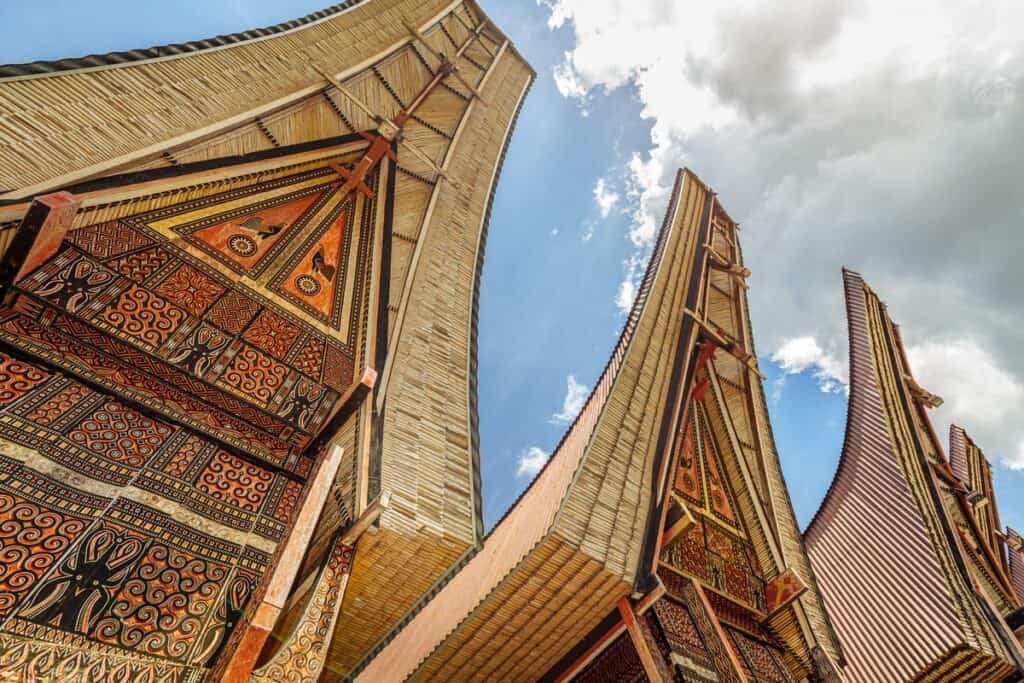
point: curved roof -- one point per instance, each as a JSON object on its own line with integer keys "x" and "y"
{"x": 559, "y": 537}
{"x": 881, "y": 545}
{"x": 170, "y": 50}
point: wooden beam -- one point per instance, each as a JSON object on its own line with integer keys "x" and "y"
{"x": 38, "y": 236}
{"x": 651, "y": 667}
{"x": 347, "y": 404}
{"x": 680, "y": 525}
{"x": 348, "y": 538}
{"x": 243, "y": 659}
{"x": 370, "y": 515}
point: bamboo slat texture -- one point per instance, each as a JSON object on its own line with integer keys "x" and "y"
{"x": 558, "y": 561}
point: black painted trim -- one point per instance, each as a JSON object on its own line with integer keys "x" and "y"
{"x": 134, "y": 177}
{"x": 170, "y": 50}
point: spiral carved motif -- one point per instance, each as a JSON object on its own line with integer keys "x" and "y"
{"x": 301, "y": 659}
{"x": 144, "y": 316}
{"x": 161, "y": 607}
{"x": 254, "y": 374}
{"x": 16, "y": 379}
{"x": 31, "y": 540}
{"x": 232, "y": 480}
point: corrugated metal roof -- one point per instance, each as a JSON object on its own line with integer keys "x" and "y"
{"x": 881, "y": 581}
{"x": 1016, "y": 562}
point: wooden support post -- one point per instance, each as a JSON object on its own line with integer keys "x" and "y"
{"x": 345, "y": 406}
{"x": 38, "y": 237}
{"x": 243, "y": 659}
{"x": 717, "y": 641}
{"x": 684, "y": 522}
{"x": 651, "y": 668}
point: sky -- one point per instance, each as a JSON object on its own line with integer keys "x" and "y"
{"x": 879, "y": 135}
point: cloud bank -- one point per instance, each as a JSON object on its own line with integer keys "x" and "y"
{"x": 881, "y": 136}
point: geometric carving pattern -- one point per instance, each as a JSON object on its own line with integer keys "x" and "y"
{"x": 171, "y": 375}
{"x": 718, "y": 558}
{"x": 229, "y": 478}
{"x": 247, "y": 239}
{"x": 302, "y": 657}
{"x": 32, "y": 659}
{"x": 121, "y": 434}
{"x": 233, "y": 312}
{"x": 125, "y": 370}
{"x": 272, "y": 333}
{"x": 105, "y": 240}
{"x": 761, "y": 660}
{"x": 190, "y": 289}
{"x": 617, "y": 663}
{"x": 314, "y": 275}
{"x": 698, "y": 478}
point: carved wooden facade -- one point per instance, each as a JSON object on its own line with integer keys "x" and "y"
{"x": 221, "y": 262}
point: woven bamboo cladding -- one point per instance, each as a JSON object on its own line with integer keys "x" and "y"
{"x": 426, "y": 458}
{"x": 69, "y": 121}
{"x": 605, "y": 511}
{"x": 743, "y": 416}
{"x": 493, "y": 610}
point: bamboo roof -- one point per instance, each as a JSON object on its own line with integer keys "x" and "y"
{"x": 578, "y": 539}
{"x": 905, "y": 603}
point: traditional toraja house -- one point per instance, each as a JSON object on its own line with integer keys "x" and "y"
{"x": 918, "y": 579}
{"x": 238, "y": 426}
{"x": 658, "y": 543}
{"x": 239, "y": 282}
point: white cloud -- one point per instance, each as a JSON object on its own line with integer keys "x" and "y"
{"x": 575, "y": 397}
{"x": 869, "y": 134}
{"x": 605, "y": 198}
{"x": 626, "y": 293}
{"x": 588, "y": 230}
{"x": 554, "y": 231}
{"x": 978, "y": 394}
{"x": 530, "y": 461}
{"x": 801, "y": 354}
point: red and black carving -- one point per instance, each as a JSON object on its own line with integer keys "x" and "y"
{"x": 233, "y": 311}
{"x": 119, "y": 433}
{"x": 140, "y": 265}
{"x": 617, "y": 663}
{"x": 75, "y": 285}
{"x": 272, "y": 333}
{"x": 161, "y": 605}
{"x": 142, "y": 317}
{"x": 190, "y": 289}
{"x": 32, "y": 538}
{"x": 232, "y": 480}
{"x": 199, "y": 351}
{"x": 762, "y": 662}
{"x": 17, "y": 379}
{"x": 106, "y": 240}
{"x": 81, "y": 589}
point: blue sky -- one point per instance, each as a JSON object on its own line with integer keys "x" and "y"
{"x": 556, "y": 261}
